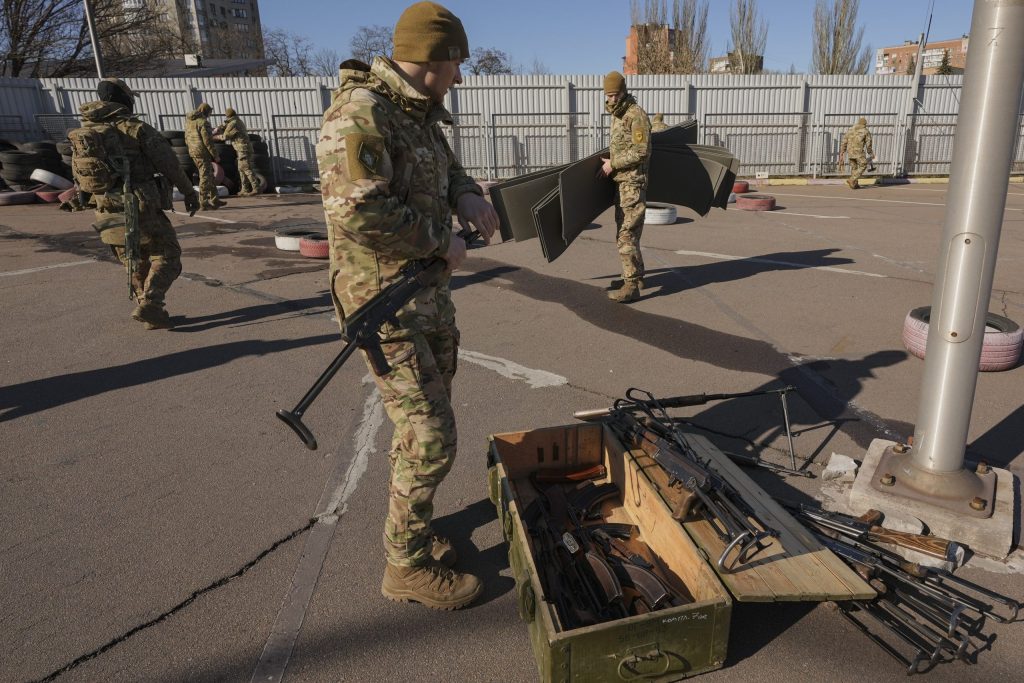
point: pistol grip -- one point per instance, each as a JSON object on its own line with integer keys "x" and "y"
{"x": 378, "y": 361}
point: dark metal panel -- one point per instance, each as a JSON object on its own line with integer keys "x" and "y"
{"x": 584, "y": 195}
{"x": 514, "y": 200}
{"x": 547, "y": 216}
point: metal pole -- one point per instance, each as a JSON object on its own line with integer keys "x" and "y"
{"x": 96, "y": 52}
{"x": 986, "y": 130}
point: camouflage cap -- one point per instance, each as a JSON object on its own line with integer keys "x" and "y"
{"x": 614, "y": 82}
{"x": 203, "y": 108}
{"x": 659, "y": 118}
{"x": 862, "y": 121}
{"x": 427, "y": 32}
{"x": 107, "y": 84}
{"x": 229, "y": 112}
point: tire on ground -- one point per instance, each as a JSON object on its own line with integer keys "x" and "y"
{"x": 659, "y": 214}
{"x": 288, "y": 239}
{"x": 1000, "y": 350}
{"x": 314, "y": 246}
{"x": 755, "y": 202}
{"x": 741, "y": 186}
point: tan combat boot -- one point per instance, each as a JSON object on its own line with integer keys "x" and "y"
{"x": 617, "y": 284}
{"x": 431, "y": 584}
{"x": 155, "y": 317}
{"x": 629, "y": 293}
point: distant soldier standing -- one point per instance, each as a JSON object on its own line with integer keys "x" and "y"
{"x": 630, "y": 155}
{"x": 235, "y": 132}
{"x": 857, "y": 145}
{"x": 658, "y": 123}
{"x": 130, "y": 208}
{"x": 199, "y": 139}
{"x": 390, "y": 182}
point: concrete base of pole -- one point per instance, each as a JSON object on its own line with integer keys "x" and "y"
{"x": 992, "y": 536}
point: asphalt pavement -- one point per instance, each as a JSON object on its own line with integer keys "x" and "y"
{"x": 161, "y": 525}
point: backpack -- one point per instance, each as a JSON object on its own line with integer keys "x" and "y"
{"x": 97, "y": 157}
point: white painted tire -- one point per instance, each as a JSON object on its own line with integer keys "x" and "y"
{"x": 290, "y": 239}
{"x": 51, "y": 179}
{"x": 1001, "y": 349}
{"x": 732, "y": 198}
{"x": 659, "y": 214}
{"x": 221, "y": 190}
{"x": 287, "y": 189}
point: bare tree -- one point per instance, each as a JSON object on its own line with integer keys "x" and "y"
{"x": 40, "y": 38}
{"x": 538, "y": 68}
{"x": 488, "y": 61}
{"x": 837, "y": 39}
{"x": 290, "y": 54}
{"x": 676, "y": 46}
{"x": 325, "y": 62}
{"x": 749, "y": 36}
{"x": 371, "y": 41}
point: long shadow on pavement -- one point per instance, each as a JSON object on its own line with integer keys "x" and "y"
{"x": 828, "y": 396}
{"x": 486, "y": 564}
{"x": 38, "y": 395}
{"x": 249, "y": 314}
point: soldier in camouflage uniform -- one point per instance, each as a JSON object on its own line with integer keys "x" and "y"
{"x": 857, "y": 145}
{"x": 199, "y": 139}
{"x": 147, "y": 153}
{"x": 235, "y": 133}
{"x": 390, "y": 182}
{"x": 658, "y": 123}
{"x": 630, "y": 155}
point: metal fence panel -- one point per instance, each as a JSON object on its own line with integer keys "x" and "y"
{"x": 929, "y": 144}
{"x": 292, "y": 144}
{"x": 772, "y": 143}
{"x": 523, "y": 143}
{"x": 468, "y": 139}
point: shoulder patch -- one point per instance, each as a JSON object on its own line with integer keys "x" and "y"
{"x": 365, "y": 156}
{"x": 639, "y": 135}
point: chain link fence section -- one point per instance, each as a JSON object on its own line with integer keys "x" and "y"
{"x": 885, "y": 132}
{"x": 468, "y": 139}
{"x": 293, "y": 139}
{"x": 929, "y": 144}
{"x": 56, "y": 126}
{"x": 775, "y": 143}
{"x": 523, "y": 143}
{"x": 1017, "y": 160}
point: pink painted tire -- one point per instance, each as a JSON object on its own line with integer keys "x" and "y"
{"x": 49, "y": 196}
{"x": 755, "y": 202}
{"x": 741, "y": 186}
{"x": 68, "y": 195}
{"x": 12, "y": 198}
{"x": 218, "y": 173}
{"x": 314, "y": 246}
{"x": 1001, "y": 349}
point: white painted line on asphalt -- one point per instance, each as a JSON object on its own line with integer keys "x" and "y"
{"x": 333, "y": 504}
{"x": 791, "y": 213}
{"x": 507, "y": 368}
{"x": 40, "y": 268}
{"x": 203, "y": 217}
{"x": 866, "y": 199}
{"x": 726, "y": 257}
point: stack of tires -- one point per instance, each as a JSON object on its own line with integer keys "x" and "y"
{"x": 17, "y": 165}
{"x": 177, "y": 140}
{"x": 64, "y": 149}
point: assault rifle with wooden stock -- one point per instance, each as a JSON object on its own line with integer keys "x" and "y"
{"x": 359, "y": 331}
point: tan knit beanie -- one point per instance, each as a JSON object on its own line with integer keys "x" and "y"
{"x": 614, "y": 82}
{"x": 427, "y": 32}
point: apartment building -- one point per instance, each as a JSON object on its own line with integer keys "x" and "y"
{"x": 899, "y": 59}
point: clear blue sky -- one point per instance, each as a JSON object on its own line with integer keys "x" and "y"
{"x": 589, "y": 36}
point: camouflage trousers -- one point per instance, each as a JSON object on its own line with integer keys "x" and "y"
{"x": 630, "y": 207}
{"x": 250, "y": 182}
{"x": 857, "y": 167}
{"x": 417, "y": 397}
{"x": 159, "y": 261}
{"x": 207, "y": 185}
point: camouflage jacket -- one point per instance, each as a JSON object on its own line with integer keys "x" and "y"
{"x": 389, "y": 182}
{"x": 148, "y": 153}
{"x": 630, "y": 142}
{"x": 856, "y": 142}
{"x": 236, "y": 133}
{"x": 199, "y": 136}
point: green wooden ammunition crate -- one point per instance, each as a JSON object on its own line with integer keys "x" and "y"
{"x": 665, "y": 645}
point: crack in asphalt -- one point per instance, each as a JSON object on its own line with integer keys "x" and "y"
{"x": 223, "y": 581}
